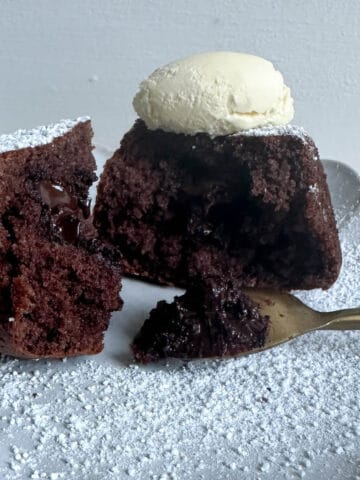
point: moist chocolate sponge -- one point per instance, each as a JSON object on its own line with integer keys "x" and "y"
{"x": 59, "y": 283}
{"x": 208, "y": 321}
{"x": 254, "y": 207}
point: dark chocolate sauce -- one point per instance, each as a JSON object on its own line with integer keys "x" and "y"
{"x": 67, "y": 211}
{"x": 5, "y": 305}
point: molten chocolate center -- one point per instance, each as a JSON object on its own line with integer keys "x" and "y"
{"x": 67, "y": 211}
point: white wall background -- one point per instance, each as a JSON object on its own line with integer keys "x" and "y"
{"x": 62, "y": 58}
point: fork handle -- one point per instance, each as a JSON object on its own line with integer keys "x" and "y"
{"x": 348, "y": 319}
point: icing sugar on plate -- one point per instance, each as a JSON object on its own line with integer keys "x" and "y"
{"x": 287, "y": 413}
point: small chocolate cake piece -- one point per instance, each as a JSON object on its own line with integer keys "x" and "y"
{"x": 59, "y": 283}
{"x": 206, "y": 322}
{"x": 254, "y": 205}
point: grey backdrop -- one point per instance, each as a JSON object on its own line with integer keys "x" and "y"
{"x": 68, "y": 57}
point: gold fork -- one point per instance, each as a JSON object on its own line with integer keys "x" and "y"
{"x": 290, "y": 318}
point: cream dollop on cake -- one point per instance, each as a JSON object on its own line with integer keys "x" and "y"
{"x": 219, "y": 93}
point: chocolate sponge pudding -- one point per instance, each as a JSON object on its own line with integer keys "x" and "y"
{"x": 214, "y": 186}
{"x": 59, "y": 282}
{"x": 255, "y": 206}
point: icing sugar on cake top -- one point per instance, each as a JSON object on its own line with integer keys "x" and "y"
{"x": 277, "y": 130}
{"x": 270, "y": 130}
{"x": 35, "y": 137}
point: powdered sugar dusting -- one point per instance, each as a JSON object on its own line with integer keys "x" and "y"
{"x": 314, "y": 189}
{"x": 37, "y": 136}
{"x": 286, "y": 413}
{"x": 275, "y": 130}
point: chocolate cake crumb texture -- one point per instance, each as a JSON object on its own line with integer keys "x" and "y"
{"x": 208, "y": 321}
{"x": 287, "y": 413}
{"x": 254, "y": 206}
{"x": 59, "y": 283}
